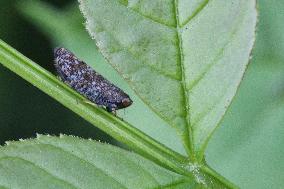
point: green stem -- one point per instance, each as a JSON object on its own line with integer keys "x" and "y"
{"x": 209, "y": 171}
{"x": 97, "y": 116}
{"x": 115, "y": 127}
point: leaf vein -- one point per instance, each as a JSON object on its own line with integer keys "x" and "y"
{"x": 207, "y": 69}
{"x": 149, "y": 17}
{"x": 85, "y": 162}
{"x": 136, "y": 163}
{"x": 135, "y": 56}
{"x": 176, "y": 183}
{"x": 196, "y": 12}
{"x": 67, "y": 151}
{"x": 231, "y": 39}
{"x": 41, "y": 168}
{"x": 207, "y": 110}
{"x": 217, "y": 58}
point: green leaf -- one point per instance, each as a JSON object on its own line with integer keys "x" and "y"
{"x": 185, "y": 64}
{"x": 107, "y": 122}
{"x": 120, "y": 130}
{"x": 65, "y": 28}
{"x": 70, "y": 162}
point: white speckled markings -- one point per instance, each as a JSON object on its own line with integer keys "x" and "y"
{"x": 81, "y": 77}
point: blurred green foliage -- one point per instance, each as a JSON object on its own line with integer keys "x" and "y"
{"x": 24, "y": 110}
{"x": 246, "y": 148}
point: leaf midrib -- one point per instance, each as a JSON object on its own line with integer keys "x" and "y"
{"x": 188, "y": 136}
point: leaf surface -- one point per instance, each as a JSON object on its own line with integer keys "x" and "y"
{"x": 65, "y": 28}
{"x": 185, "y": 64}
{"x": 70, "y": 162}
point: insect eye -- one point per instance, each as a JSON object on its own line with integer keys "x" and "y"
{"x": 126, "y": 102}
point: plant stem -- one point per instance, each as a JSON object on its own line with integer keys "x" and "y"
{"x": 217, "y": 176}
{"x": 115, "y": 127}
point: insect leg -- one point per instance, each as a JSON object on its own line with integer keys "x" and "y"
{"x": 112, "y": 108}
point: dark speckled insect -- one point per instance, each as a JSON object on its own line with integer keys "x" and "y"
{"x": 88, "y": 82}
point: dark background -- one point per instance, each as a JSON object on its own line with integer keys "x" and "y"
{"x": 25, "y": 110}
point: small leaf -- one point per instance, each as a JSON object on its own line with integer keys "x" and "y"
{"x": 184, "y": 59}
{"x": 70, "y": 162}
